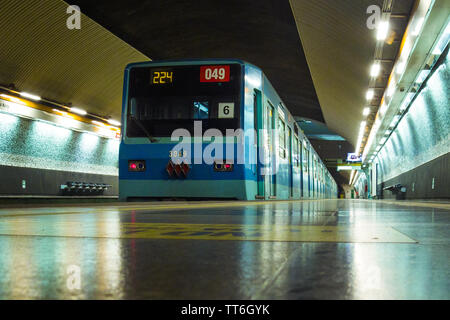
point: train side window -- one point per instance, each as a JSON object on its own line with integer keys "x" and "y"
{"x": 296, "y": 155}
{"x": 282, "y": 138}
{"x": 305, "y": 159}
{"x": 201, "y": 110}
{"x": 315, "y": 167}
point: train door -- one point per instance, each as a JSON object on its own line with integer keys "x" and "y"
{"x": 307, "y": 171}
{"x": 313, "y": 176}
{"x": 300, "y": 159}
{"x": 258, "y": 124}
{"x": 270, "y": 178}
{"x": 316, "y": 183}
{"x": 291, "y": 163}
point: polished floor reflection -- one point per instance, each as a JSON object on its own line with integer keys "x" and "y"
{"x": 329, "y": 249}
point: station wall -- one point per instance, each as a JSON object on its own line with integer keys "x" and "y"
{"x": 417, "y": 153}
{"x": 37, "y": 157}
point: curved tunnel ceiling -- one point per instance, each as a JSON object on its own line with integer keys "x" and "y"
{"x": 85, "y": 67}
{"x": 40, "y": 55}
{"x": 340, "y": 49}
{"x": 262, "y": 32}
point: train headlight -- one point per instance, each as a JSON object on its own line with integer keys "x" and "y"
{"x": 223, "y": 167}
{"x": 136, "y": 165}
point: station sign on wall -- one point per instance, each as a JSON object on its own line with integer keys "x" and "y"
{"x": 353, "y": 157}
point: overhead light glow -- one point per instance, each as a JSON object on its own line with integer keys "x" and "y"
{"x": 390, "y": 90}
{"x": 351, "y": 177}
{"x": 11, "y": 98}
{"x": 382, "y": 30}
{"x": 370, "y": 94}
{"x": 383, "y": 108}
{"x": 98, "y": 123}
{"x": 341, "y": 168}
{"x": 254, "y": 81}
{"x": 418, "y": 27}
{"x": 394, "y": 121}
{"x": 363, "y": 124}
{"x": 78, "y": 111}
{"x": 30, "y": 96}
{"x": 67, "y": 123}
{"x": 114, "y": 122}
{"x": 407, "y": 101}
{"x": 400, "y": 67}
{"x": 422, "y": 76}
{"x": 375, "y": 70}
{"x": 104, "y": 132}
{"x": 60, "y": 112}
{"x": 366, "y": 111}
{"x": 443, "y": 41}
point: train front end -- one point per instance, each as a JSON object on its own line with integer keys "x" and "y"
{"x": 179, "y": 118}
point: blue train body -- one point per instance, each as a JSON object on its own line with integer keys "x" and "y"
{"x": 299, "y": 172}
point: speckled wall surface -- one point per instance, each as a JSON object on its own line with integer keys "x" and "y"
{"x": 38, "y": 145}
{"x": 423, "y": 135}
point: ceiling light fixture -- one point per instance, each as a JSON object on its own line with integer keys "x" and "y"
{"x": 13, "y": 99}
{"x": 418, "y": 27}
{"x": 30, "y": 96}
{"x": 443, "y": 41}
{"x": 375, "y": 70}
{"x": 390, "y": 90}
{"x": 114, "y": 122}
{"x": 98, "y": 123}
{"x": 422, "y": 76}
{"x": 382, "y": 30}
{"x": 78, "y": 111}
{"x": 383, "y": 109}
{"x": 401, "y": 66}
{"x": 370, "y": 94}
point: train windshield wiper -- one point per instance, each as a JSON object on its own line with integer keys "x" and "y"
{"x": 139, "y": 123}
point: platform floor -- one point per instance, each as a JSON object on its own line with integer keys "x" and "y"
{"x": 328, "y": 249}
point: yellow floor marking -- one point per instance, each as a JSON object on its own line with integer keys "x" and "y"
{"x": 181, "y": 231}
{"x": 150, "y": 207}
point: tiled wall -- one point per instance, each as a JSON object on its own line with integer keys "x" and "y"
{"x": 422, "y": 137}
{"x": 40, "y": 146}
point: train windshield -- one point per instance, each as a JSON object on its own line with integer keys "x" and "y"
{"x": 163, "y": 99}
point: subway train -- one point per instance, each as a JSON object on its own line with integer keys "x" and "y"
{"x": 212, "y": 129}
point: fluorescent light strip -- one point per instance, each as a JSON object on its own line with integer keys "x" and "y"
{"x": 418, "y": 27}
{"x": 383, "y": 108}
{"x": 114, "y": 122}
{"x": 375, "y": 70}
{"x": 30, "y": 96}
{"x": 13, "y": 99}
{"x": 390, "y": 90}
{"x": 382, "y": 30}
{"x": 422, "y": 76}
{"x": 98, "y": 123}
{"x": 78, "y": 111}
{"x": 443, "y": 41}
{"x": 400, "y": 67}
